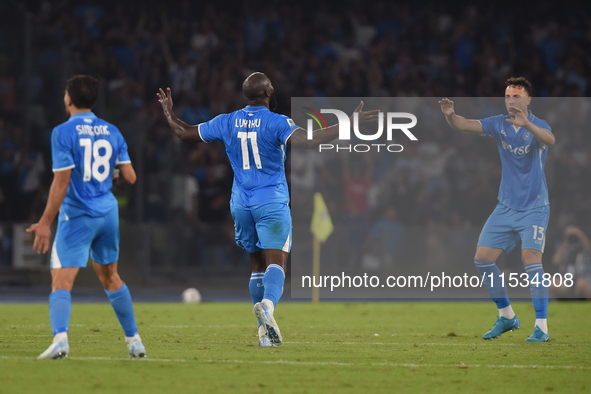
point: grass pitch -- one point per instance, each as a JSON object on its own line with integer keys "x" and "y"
{"x": 328, "y": 348}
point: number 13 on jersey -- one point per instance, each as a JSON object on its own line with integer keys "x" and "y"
{"x": 244, "y": 137}
{"x": 538, "y": 232}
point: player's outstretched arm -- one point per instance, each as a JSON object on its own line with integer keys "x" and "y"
{"x": 57, "y": 193}
{"x": 459, "y": 122}
{"x": 126, "y": 172}
{"x": 299, "y": 138}
{"x": 181, "y": 129}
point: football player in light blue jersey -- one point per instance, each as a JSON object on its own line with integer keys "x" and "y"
{"x": 255, "y": 140}
{"x": 523, "y": 210}
{"x": 85, "y": 151}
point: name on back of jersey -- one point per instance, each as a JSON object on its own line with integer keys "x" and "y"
{"x": 248, "y": 123}
{"x": 93, "y": 130}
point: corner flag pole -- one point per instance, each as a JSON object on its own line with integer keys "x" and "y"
{"x": 321, "y": 227}
{"x": 316, "y": 270}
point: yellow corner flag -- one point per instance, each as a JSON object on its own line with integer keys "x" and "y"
{"x": 321, "y": 227}
{"x": 321, "y": 223}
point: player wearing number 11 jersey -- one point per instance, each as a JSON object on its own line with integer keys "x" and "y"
{"x": 255, "y": 140}
{"x": 85, "y": 151}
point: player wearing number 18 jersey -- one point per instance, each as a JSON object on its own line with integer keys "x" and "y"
{"x": 85, "y": 151}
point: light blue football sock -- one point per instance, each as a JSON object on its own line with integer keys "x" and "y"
{"x": 273, "y": 283}
{"x": 121, "y": 302}
{"x": 497, "y": 292}
{"x": 60, "y": 309}
{"x": 539, "y": 292}
{"x": 257, "y": 290}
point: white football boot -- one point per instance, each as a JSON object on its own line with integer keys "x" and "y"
{"x": 265, "y": 314}
{"x": 59, "y": 349}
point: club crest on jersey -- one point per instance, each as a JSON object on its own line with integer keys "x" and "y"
{"x": 503, "y": 132}
{"x": 526, "y": 136}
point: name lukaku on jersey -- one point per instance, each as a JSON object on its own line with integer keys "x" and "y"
{"x": 93, "y": 130}
{"x": 248, "y": 123}
{"x": 519, "y": 151}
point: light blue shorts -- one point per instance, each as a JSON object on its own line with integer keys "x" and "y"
{"x": 77, "y": 237}
{"x": 264, "y": 227}
{"x": 505, "y": 226}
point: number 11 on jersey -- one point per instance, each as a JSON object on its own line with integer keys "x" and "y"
{"x": 244, "y": 137}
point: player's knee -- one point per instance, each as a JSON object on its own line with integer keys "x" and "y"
{"x": 531, "y": 258}
{"x": 62, "y": 284}
{"x": 484, "y": 253}
{"x": 110, "y": 280}
{"x": 482, "y": 256}
{"x": 63, "y": 279}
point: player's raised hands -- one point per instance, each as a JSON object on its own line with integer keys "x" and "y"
{"x": 42, "y": 235}
{"x": 519, "y": 119}
{"x": 447, "y": 106}
{"x": 166, "y": 101}
{"x": 367, "y": 116}
{"x": 180, "y": 128}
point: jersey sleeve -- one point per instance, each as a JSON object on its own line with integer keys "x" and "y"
{"x": 213, "y": 129}
{"x": 62, "y": 156}
{"x": 490, "y": 125}
{"x": 285, "y": 128}
{"x": 122, "y": 154}
{"x": 543, "y": 124}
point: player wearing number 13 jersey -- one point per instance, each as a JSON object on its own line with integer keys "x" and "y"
{"x": 523, "y": 209}
{"x": 85, "y": 151}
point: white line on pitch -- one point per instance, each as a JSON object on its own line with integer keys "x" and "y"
{"x": 427, "y": 343}
{"x": 327, "y": 363}
{"x": 414, "y": 344}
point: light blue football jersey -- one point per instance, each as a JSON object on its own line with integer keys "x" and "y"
{"x": 255, "y": 143}
{"x": 92, "y": 148}
{"x": 523, "y": 158}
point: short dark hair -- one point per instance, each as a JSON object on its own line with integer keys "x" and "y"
{"x": 83, "y": 90}
{"x": 519, "y": 81}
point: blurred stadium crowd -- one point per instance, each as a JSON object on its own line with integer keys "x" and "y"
{"x": 356, "y": 48}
